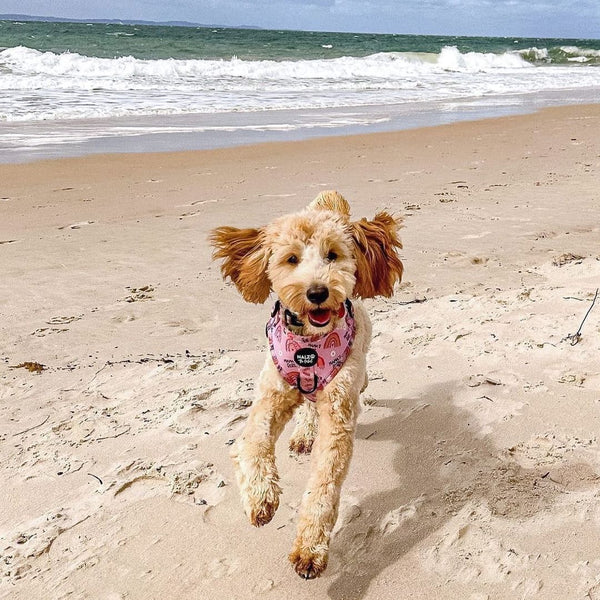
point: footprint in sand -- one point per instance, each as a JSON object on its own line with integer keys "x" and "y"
{"x": 548, "y": 449}
{"x": 33, "y": 540}
{"x": 445, "y": 197}
{"x": 470, "y": 548}
{"x": 262, "y": 587}
{"x": 139, "y": 294}
{"x": 490, "y": 399}
{"x": 210, "y": 410}
{"x": 184, "y": 326}
{"x": 64, "y": 320}
{"x": 197, "y": 482}
{"x": 44, "y": 331}
{"x": 396, "y": 517}
{"x": 219, "y": 568}
{"x": 544, "y": 235}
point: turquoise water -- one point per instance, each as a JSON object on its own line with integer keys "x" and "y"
{"x": 156, "y": 42}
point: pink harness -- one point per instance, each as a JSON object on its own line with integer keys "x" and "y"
{"x": 309, "y": 363}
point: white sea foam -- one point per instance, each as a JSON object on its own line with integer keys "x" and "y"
{"x": 537, "y": 54}
{"x": 48, "y": 86}
{"x": 575, "y": 51}
{"x": 451, "y": 59}
{"x": 396, "y": 66}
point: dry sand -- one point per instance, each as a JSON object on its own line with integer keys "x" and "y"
{"x": 475, "y": 474}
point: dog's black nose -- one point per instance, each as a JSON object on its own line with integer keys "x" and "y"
{"x": 317, "y": 293}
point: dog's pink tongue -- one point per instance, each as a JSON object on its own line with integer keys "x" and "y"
{"x": 320, "y": 316}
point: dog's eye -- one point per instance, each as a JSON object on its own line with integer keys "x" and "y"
{"x": 292, "y": 260}
{"x": 331, "y": 256}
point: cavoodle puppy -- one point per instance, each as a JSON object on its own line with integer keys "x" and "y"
{"x": 318, "y": 263}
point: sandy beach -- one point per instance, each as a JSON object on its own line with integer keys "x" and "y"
{"x": 127, "y": 367}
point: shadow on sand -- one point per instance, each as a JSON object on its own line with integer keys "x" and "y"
{"x": 446, "y": 466}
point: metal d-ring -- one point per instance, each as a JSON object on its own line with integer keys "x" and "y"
{"x": 299, "y": 385}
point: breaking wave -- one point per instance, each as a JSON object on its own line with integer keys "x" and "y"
{"x": 46, "y": 85}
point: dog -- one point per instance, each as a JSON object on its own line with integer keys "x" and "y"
{"x": 319, "y": 264}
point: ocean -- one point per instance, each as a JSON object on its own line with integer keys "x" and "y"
{"x": 75, "y": 88}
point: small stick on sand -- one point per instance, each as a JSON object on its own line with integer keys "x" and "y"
{"x": 415, "y": 301}
{"x": 31, "y": 428}
{"x": 111, "y": 437}
{"x": 96, "y": 477}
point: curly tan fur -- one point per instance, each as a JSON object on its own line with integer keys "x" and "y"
{"x": 245, "y": 260}
{"x": 378, "y": 265}
{"x": 319, "y": 245}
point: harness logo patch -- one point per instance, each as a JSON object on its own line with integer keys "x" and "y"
{"x": 306, "y": 357}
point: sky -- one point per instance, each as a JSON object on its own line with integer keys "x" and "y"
{"x": 523, "y": 18}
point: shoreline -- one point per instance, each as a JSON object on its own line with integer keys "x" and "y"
{"x": 476, "y": 470}
{"x": 29, "y": 141}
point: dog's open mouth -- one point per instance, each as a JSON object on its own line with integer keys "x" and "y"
{"x": 319, "y": 317}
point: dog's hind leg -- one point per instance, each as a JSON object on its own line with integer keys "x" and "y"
{"x": 254, "y": 452}
{"x": 338, "y": 410}
{"x": 305, "y": 432}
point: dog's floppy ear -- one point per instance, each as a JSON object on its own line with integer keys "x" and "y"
{"x": 245, "y": 260}
{"x": 376, "y": 245}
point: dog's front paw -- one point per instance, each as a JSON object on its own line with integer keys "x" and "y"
{"x": 301, "y": 444}
{"x": 258, "y": 483}
{"x": 260, "y": 512}
{"x": 305, "y": 431}
{"x": 260, "y": 500}
{"x": 308, "y": 563}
